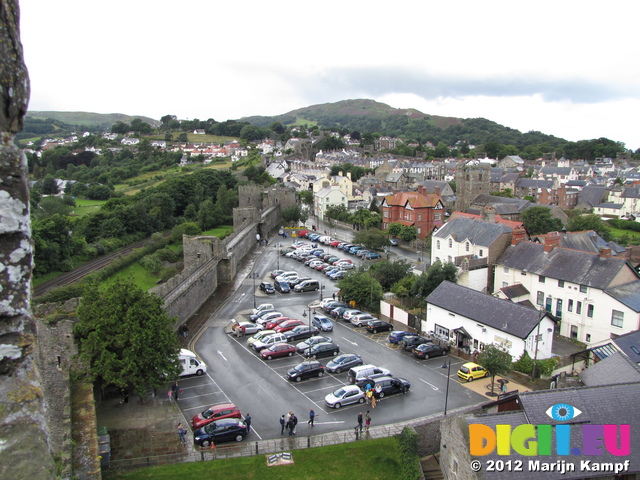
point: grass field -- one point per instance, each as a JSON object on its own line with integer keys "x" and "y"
{"x": 84, "y": 207}
{"x": 617, "y": 233}
{"x": 369, "y": 459}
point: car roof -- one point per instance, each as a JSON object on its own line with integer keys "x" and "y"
{"x": 471, "y": 365}
{"x": 228, "y": 421}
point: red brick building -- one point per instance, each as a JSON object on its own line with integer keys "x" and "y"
{"x": 425, "y": 211}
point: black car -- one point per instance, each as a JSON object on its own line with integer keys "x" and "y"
{"x": 223, "y": 430}
{"x": 266, "y": 287}
{"x": 376, "y": 326}
{"x": 310, "y": 368}
{"x": 429, "y": 350}
{"x": 324, "y": 349}
{"x": 388, "y": 385}
{"x": 344, "y": 362}
{"x": 333, "y": 304}
{"x": 408, "y": 342}
{"x": 300, "y": 333}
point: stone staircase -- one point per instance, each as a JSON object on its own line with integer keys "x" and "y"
{"x": 431, "y": 467}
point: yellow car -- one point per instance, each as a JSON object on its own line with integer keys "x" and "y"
{"x": 470, "y": 371}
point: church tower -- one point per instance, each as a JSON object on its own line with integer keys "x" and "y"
{"x": 471, "y": 181}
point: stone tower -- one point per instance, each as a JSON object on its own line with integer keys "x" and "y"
{"x": 471, "y": 181}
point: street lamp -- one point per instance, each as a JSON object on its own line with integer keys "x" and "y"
{"x": 321, "y": 289}
{"x": 304, "y": 315}
{"x": 447, "y": 365}
{"x": 253, "y": 278}
{"x": 277, "y": 247}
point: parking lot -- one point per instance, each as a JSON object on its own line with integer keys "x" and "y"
{"x": 238, "y": 375}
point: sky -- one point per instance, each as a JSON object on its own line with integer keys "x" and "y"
{"x": 563, "y": 67}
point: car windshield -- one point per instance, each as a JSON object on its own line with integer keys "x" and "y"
{"x": 464, "y": 369}
{"x": 207, "y": 413}
{"x": 210, "y": 428}
{"x": 299, "y": 368}
{"x": 339, "y": 393}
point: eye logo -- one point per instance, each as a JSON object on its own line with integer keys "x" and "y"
{"x": 561, "y": 412}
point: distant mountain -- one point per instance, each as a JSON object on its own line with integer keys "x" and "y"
{"x": 97, "y": 120}
{"x": 369, "y": 116}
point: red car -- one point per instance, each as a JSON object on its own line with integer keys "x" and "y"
{"x": 275, "y": 322}
{"x": 278, "y": 350}
{"x": 216, "y": 412}
{"x": 335, "y": 243}
{"x": 303, "y": 233}
{"x": 288, "y": 325}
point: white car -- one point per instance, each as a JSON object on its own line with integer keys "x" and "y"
{"x": 345, "y": 265}
{"x": 261, "y": 307}
{"x": 361, "y": 320}
{"x": 347, "y": 314}
{"x": 263, "y": 320}
{"x": 259, "y": 336}
{"x": 250, "y": 327}
{"x": 344, "y": 396}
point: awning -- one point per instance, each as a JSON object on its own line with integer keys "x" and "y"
{"x": 462, "y": 332}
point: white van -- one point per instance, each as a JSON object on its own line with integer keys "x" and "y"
{"x": 190, "y": 363}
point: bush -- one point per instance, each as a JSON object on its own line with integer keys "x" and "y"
{"x": 525, "y": 365}
{"x": 151, "y": 263}
{"x": 409, "y": 462}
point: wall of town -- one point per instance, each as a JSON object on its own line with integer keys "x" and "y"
{"x": 454, "y": 451}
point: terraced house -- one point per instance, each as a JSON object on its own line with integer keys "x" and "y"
{"x": 593, "y": 296}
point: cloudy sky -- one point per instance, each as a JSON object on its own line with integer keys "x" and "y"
{"x": 564, "y": 67}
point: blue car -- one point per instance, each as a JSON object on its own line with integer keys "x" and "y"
{"x": 372, "y": 255}
{"x": 322, "y": 323}
{"x": 397, "y": 335}
{"x": 223, "y": 430}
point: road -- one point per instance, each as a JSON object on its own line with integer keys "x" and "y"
{"x": 236, "y": 374}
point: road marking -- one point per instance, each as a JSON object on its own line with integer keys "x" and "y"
{"x": 224, "y": 358}
{"x": 239, "y": 298}
{"x": 328, "y": 423}
{"x": 431, "y": 385}
{"x": 352, "y": 343}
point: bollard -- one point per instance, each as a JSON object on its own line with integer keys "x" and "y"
{"x": 308, "y": 442}
{"x": 201, "y": 455}
{"x": 256, "y": 448}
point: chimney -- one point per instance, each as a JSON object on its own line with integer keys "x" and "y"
{"x": 605, "y": 252}
{"x": 517, "y": 235}
{"x": 437, "y": 190}
{"x": 422, "y": 190}
{"x": 552, "y": 239}
{"x": 489, "y": 214}
{"x": 548, "y": 247}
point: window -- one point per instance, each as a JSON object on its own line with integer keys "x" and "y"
{"x": 449, "y": 259}
{"x": 561, "y": 283}
{"x": 438, "y": 244}
{"x": 617, "y": 318}
{"x": 541, "y": 279}
{"x": 506, "y": 270}
{"x": 583, "y": 289}
{"x": 437, "y": 216}
{"x": 540, "y": 299}
{"x": 559, "y": 307}
{"x": 481, "y": 253}
{"x": 419, "y": 217}
{"x": 579, "y": 308}
{"x": 590, "y": 310}
{"x": 570, "y": 306}
{"x": 574, "y": 332}
{"x": 588, "y": 337}
{"x": 467, "y": 246}
{"x": 450, "y": 243}
{"x": 386, "y": 214}
{"x": 505, "y": 284}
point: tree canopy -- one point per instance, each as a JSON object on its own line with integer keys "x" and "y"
{"x": 429, "y": 280}
{"x": 495, "y": 361}
{"x": 589, "y": 222}
{"x": 125, "y": 337}
{"x": 538, "y": 220}
{"x": 362, "y": 288}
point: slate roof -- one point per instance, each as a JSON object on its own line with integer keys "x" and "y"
{"x": 503, "y": 205}
{"x": 630, "y": 192}
{"x": 586, "y": 241}
{"x": 573, "y": 266}
{"x": 592, "y": 194}
{"x": 612, "y": 206}
{"x": 502, "y": 315}
{"x": 476, "y": 231}
{"x": 629, "y": 343}
{"x": 611, "y": 370}
{"x": 599, "y": 405}
{"x": 531, "y": 183}
{"x": 515, "y": 291}
{"x": 555, "y": 170}
{"x": 627, "y": 294}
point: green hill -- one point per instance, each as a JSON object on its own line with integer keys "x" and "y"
{"x": 88, "y": 119}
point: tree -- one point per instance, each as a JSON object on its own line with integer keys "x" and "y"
{"x": 292, "y": 214}
{"x": 429, "y": 280}
{"x": 306, "y": 197}
{"x": 126, "y": 337}
{"x": 363, "y": 289}
{"x": 394, "y": 229}
{"x": 388, "y": 273}
{"x": 495, "y": 361}
{"x": 538, "y": 220}
{"x": 50, "y": 186}
{"x": 372, "y": 239}
{"x": 408, "y": 233}
{"x": 589, "y": 222}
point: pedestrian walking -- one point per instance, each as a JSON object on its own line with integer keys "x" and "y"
{"x": 181, "y": 434}
{"x": 290, "y": 426}
{"x": 282, "y": 425}
{"x": 334, "y": 295}
{"x": 176, "y": 390}
{"x": 294, "y": 421}
{"x": 369, "y": 395}
{"x": 373, "y": 401}
{"x": 185, "y": 331}
{"x": 360, "y": 421}
{"x": 170, "y": 394}
{"x": 247, "y": 421}
{"x": 312, "y": 416}
{"x": 367, "y": 420}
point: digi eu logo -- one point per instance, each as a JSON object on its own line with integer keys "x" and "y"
{"x": 530, "y": 440}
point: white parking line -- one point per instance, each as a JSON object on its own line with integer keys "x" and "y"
{"x": 430, "y": 384}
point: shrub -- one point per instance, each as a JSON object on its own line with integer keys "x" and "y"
{"x": 410, "y": 462}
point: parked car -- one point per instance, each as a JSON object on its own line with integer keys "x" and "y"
{"x": 347, "y": 314}
{"x": 362, "y": 252}
{"x": 331, "y": 304}
{"x": 322, "y": 323}
{"x": 297, "y": 280}
{"x": 300, "y": 332}
{"x": 396, "y": 335}
{"x": 335, "y": 243}
{"x": 276, "y": 273}
{"x": 375, "y": 326}
{"x": 393, "y": 242}
{"x": 250, "y": 328}
{"x": 307, "y": 286}
{"x": 261, "y": 307}
{"x": 266, "y": 318}
{"x": 361, "y": 320}
{"x": 410, "y": 341}
{"x": 259, "y": 336}
{"x": 339, "y": 275}
{"x": 223, "y": 430}
{"x": 429, "y": 350}
{"x": 288, "y": 325}
{"x": 346, "y": 265}
{"x": 307, "y": 369}
{"x": 325, "y": 349}
{"x": 272, "y": 324}
{"x": 269, "y": 340}
{"x": 388, "y": 385}
{"x": 343, "y": 362}
{"x": 363, "y": 371}
{"x": 216, "y": 412}
{"x": 282, "y": 286}
{"x": 266, "y": 287}
{"x": 277, "y": 350}
{"x": 470, "y": 371}
{"x": 344, "y": 396}
{"x": 372, "y": 255}
{"x": 261, "y": 313}
{"x": 309, "y": 342}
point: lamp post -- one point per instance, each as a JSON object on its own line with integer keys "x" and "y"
{"x": 278, "y": 254}
{"x": 304, "y": 315}
{"x": 253, "y": 278}
{"x": 447, "y": 365}
{"x": 321, "y": 289}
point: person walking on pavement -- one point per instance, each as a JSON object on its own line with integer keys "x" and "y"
{"x": 247, "y": 421}
{"x": 176, "y": 390}
{"x": 360, "y": 421}
{"x": 290, "y": 426}
{"x": 185, "y": 331}
{"x": 181, "y": 434}
{"x": 367, "y": 420}
{"x": 282, "y": 425}
{"x": 312, "y": 416}
{"x": 294, "y": 419}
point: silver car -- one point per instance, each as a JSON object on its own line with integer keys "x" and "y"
{"x": 309, "y": 342}
{"x": 344, "y": 396}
